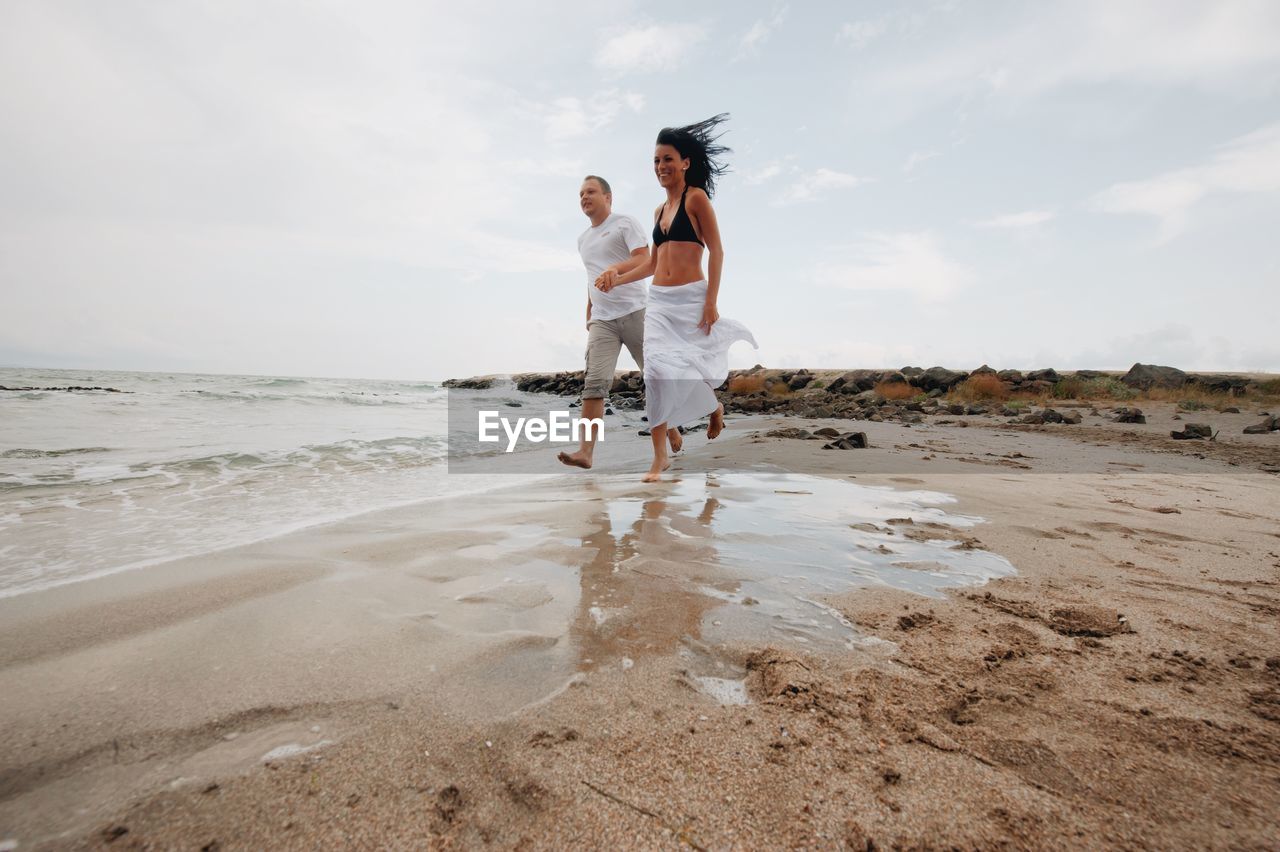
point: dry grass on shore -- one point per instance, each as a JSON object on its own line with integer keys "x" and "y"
{"x": 743, "y": 385}
{"x": 896, "y": 390}
{"x": 1190, "y": 397}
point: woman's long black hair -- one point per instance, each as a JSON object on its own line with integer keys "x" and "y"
{"x": 697, "y": 142}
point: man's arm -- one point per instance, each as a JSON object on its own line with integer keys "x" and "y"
{"x": 637, "y": 268}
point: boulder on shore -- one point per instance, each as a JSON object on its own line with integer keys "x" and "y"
{"x": 1147, "y": 376}
{"x": 1193, "y": 432}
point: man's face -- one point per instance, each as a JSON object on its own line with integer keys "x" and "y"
{"x": 593, "y": 200}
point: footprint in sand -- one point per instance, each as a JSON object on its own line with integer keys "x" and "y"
{"x": 1074, "y": 533}
{"x": 1038, "y": 533}
{"x": 1035, "y": 763}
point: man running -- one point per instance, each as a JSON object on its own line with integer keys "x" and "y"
{"x": 615, "y": 318}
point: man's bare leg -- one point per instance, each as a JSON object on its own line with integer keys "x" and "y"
{"x": 675, "y": 439}
{"x": 660, "y": 460}
{"x": 717, "y": 422}
{"x": 592, "y": 409}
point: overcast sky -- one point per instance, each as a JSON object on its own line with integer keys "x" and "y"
{"x": 389, "y": 190}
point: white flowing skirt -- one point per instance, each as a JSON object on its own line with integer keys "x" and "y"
{"x": 683, "y": 365}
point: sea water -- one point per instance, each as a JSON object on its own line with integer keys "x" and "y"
{"x": 167, "y": 465}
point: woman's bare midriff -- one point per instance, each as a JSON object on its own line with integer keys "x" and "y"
{"x": 677, "y": 264}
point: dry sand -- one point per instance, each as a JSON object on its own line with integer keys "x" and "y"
{"x": 522, "y": 669}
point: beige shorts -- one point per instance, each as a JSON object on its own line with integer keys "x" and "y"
{"x": 605, "y": 339}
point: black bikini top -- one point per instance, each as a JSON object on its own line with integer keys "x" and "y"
{"x": 681, "y": 228}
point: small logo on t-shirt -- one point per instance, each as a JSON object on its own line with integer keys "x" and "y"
{"x": 605, "y": 234}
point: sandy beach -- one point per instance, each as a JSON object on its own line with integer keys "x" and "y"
{"x": 586, "y": 661}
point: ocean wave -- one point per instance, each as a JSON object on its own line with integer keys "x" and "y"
{"x": 22, "y": 453}
{"x": 349, "y": 456}
{"x": 340, "y": 398}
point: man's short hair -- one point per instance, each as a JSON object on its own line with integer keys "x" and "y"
{"x": 604, "y": 184}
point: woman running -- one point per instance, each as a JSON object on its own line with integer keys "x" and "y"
{"x": 686, "y": 341}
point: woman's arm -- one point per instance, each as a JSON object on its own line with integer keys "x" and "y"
{"x": 703, "y": 217}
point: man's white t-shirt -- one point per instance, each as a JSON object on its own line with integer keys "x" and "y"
{"x": 603, "y": 245}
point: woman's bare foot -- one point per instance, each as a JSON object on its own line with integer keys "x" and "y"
{"x": 675, "y": 439}
{"x": 717, "y": 422}
{"x": 655, "y": 470}
{"x": 578, "y": 459}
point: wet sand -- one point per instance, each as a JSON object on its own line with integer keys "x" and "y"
{"x": 562, "y": 664}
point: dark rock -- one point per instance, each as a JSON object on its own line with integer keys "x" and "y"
{"x": 1033, "y": 419}
{"x": 1048, "y": 374}
{"x": 1089, "y": 374}
{"x": 983, "y": 371}
{"x": 869, "y": 397}
{"x": 1129, "y": 415}
{"x": 1147, "y": 376}
{"x": 790, "y": 432}
{"x": 848, "y": 441}
{"x": 1268, "y": 424}
{"x": 854, "y": 381}
{"x": 469, "y": 384}
{"x": 1051, "y": 416}
{"x": 1231, "y": 409}
{"x": 71, "y": 388}
{"x": 1014, "y": 376}
{"x": 1193, "y": 432}
{"x": 975, "y": 409}
{"x": 1220, "y": 382}
{"x": 938, "y": 378}
{"x": 1072, "y": 417}
{"x": 911, "y": 371}
{"x": 800, "y": 381}
{"x": 827, "y": 432}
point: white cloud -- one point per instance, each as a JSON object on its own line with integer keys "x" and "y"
{"x": 1250, "y": 163}
{"x": 764, "y": 173}
{"x": 916, "y": 158}
{"x": 1025, "y": 219}
{"x": 568, "y": 118}
{"x": 749, "y": 44}
{"x": 908, "y": 262}
{"x": 862, "y": 33}
{"x": 817, "y": 184}
{"x": 1230, "y": 47}
{"x": 647, "y": 49}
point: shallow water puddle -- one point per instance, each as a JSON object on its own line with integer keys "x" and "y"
{"x": 713, "y": 560}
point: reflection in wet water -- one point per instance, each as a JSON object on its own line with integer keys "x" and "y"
{"x": 707, "y": 561}
{"x": 747, "y": 558}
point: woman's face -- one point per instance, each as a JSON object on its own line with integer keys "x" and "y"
{"x": 668, "y": 165}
